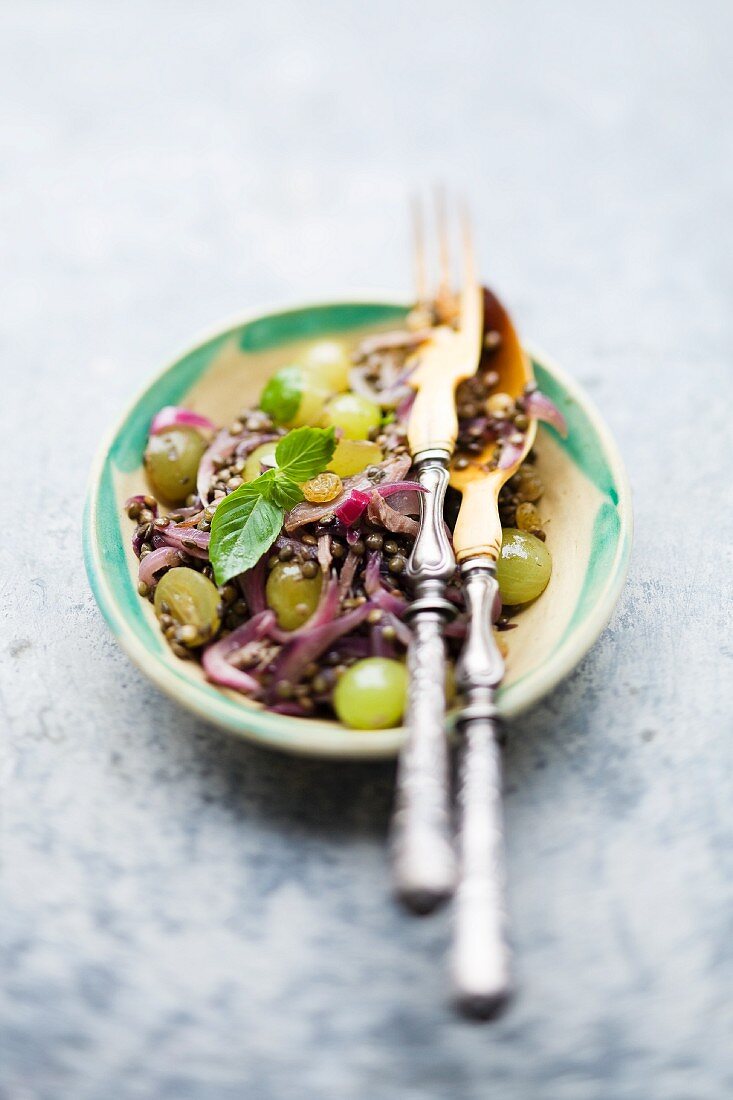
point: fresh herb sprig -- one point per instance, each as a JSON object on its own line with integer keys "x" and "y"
{"x": 247, "y": 521}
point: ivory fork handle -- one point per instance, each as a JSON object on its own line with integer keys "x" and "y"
{"x": 433, "y": 423}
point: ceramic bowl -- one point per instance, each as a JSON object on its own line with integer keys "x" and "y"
{"x": 586, "y": 507}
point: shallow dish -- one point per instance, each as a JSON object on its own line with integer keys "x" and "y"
{"x": 586, "y": 503}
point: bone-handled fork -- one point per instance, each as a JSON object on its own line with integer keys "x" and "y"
{"x": 423, "y": 855}
{"x": 480, "y": 958}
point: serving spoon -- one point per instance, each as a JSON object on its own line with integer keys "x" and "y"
{"x": 480, "y": 963}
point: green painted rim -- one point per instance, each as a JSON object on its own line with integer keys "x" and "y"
{"x": 589, "y": 446}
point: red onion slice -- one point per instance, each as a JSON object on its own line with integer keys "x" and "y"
{"x": 539, "y": 406}
{"x": 221, "y": 448}
{"x": 311, "y": 645}
{"x": 190, "y": 540}
{"x": 388, "y": 398}
{"x": 351, "y": 509}
{"x": 401, "y": 487}
{"x": 404, "y": 408}
{"x": 378, "y": 644}
{"x": 324, "y": 553}
{"x": 380, "y": 512}
{"x": 348, "y": 572}
{"x": 252, "y": 583}
{"x": 403, "y": 633}
{"x": 292, "y": 710}
{"x": 165, "y": 557}
{"x": 408, "y": 503}
{"x": 173, "y": 416}
{"x": 509, "y": 454}
{"x": 214, "y": 658}
{"x": 378, "y": 594}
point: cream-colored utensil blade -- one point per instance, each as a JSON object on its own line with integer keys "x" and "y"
{"x": 444, "y": 362}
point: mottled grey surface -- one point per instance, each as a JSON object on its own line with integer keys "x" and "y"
{"x": 188, "y": 918}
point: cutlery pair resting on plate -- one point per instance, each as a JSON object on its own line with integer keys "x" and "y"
{"x": 429, "y": 866}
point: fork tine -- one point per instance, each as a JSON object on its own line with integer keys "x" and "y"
{"x": 470, "y": 308}
{"x": 441, "y": 221}
{"x": 464, "y": 305}
{"x": 469, "y": 256}
{"x": 418, "y": 230}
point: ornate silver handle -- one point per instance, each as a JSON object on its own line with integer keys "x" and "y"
{"x": 480, "y": 961}
{"x": 423, "y": 857}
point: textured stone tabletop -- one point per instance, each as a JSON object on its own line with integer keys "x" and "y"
{"x": 183, "y": 917}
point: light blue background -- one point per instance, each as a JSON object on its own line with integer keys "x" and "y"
{"x": 186, "y": 918}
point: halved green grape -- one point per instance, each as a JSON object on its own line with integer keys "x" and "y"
{"x": 312, "y": 401}
{"x": 372, "y": 694}
{"x": 292, "y": 595}
{"x": 172, "y": 461}
{"x": 524, "y": 567}
{"x": 193, "y": 602}
{"x": 354, "y": 455}
{"x": 328, "y": 363}
{"x": 356, "y": 416}
{"x": 264, "y": 455}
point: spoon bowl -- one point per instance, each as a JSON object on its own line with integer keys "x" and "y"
{"x": 478, "y": 530}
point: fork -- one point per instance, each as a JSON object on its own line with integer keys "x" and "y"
{"x": 424, "y": 866}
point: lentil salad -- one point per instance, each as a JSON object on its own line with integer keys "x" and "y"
{"x": 313, "y": 625}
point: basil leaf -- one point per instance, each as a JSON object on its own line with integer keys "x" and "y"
{"x": 247, "y": 521}
{"x": 277, "y": 488}
{"x": 302, "y": 454}
{"x": 285, "y": 492}
{"x": 244, "y": 526}
{"x": 263, "y": 484}
{"x": 281, "y": 396}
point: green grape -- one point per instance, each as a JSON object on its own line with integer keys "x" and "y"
{"x": 372, "y": 694}
{"x": 291, "y": 595}
{"x": 328, "y": 364}
{"x": 354, "y": 455}
{"x": 524, "y": 567}
{"x": 172, "y": 461}
{"x": 293, "y": 398}
{"x": 310, "y": 410}
{"x": 192, "y": 600}
{"x": 356, "y": 416}
{"x": 264, "y": 455}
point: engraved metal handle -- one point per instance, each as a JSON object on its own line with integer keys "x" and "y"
{"x": 432, "y": 562}
{"x": 480, "y": 961}
{"x": 422, "y": 852}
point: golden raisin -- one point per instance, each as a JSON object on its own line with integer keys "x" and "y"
{"x": 528, "y": 518}
{"x": 530, "y": 487}
{"x": 323, "y": 488}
